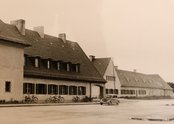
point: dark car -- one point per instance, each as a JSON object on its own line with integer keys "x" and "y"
{"x": 110, "y": 100}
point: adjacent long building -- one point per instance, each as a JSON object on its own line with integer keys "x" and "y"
{"x": 130, "y": 83}
{"x": 134, "y": 84}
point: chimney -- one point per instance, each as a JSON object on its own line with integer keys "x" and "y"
{"x": 135, "y": 70}
{"x": 20, "y": 25}
{"x": 63, "y": 37}
{"x": 39, "y": 30}
{"x": 91, "y": 58}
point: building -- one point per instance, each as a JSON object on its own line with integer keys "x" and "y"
{"x": 130, "y": 84}
{"x": 171, "y": 84}
{"x": 33, "y": 62}
{"x": 134, "y": 84}
{"x": 106, "y": 68}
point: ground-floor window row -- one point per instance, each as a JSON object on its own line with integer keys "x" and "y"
{"x": 141, "y": 92}
{"x": 31, "y": 88}
{"x": 111, "y": 91}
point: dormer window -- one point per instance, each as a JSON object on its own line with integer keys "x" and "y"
{"x": 58, "y": 66}
{"x": 48, "y": 64}
{"x": 36, "y": 62}
{"x": 68, "y": 67}
{"x": 77, "y": 67}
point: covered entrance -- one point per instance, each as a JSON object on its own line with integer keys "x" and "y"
{"x": 98, "y": 91}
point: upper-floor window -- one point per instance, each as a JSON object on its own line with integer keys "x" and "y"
{"x": 110, "y": 78}
{"x": 41, "y": 63}
{"x": 68, "y": 67}
{"x": 77, "y": 67}
{"x": 58, "y": 65}
{"x": 48, "y": 64}
{"x": 36, "y": 62}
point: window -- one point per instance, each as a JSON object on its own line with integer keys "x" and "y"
{"x": 41, "y": 89}
{"x": 36, "y": 62}
{"x": 63, "y": 90}
{"x": 48, "y": 64}
{"x": 115, "y": 91}
{"x": 72, "y": 90}
{"x": 81, "y": 90}
{"x": 7, "y": 86}
{"x": 58, "y": 66}
{"x": 52, "y": 89}
{"x": 107, "y": 91}
{"x": 77, "y": 67}
{"x": 142, "y": 92}
{"x": 127, "y": 91}
{"x": 28, "y": 88}
{"x": 110, "y": 78}
{"x": 68, "y": 67}
{"x": 122, "y": 91}
{"x": 73, "y": 67}
{"x": 64, "y": 66}
{"x": 111, "y": 91}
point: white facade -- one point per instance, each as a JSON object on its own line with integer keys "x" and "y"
{"x": 146, "y": 92}
{"x": 11, "y": 72}
{"x": 111, "y": 72}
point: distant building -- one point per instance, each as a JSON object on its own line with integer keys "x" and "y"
{"x": 171, "y": 84}
{"x": 106, "y": 68}
{"x": 33, "y": 62}
{"x": 134, "y": 84}
{"x": 130, "y": 83}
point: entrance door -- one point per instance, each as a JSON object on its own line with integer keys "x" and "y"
{"x": 101, "y": 92}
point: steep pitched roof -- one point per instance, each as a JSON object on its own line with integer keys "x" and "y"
{"x": 134, "y": 79}
{"x": 10, "y": 33}
{"x": 55, "y": 49}
{"x": 101, "y": 64}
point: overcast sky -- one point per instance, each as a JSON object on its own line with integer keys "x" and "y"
{"x": 138, "y": 34}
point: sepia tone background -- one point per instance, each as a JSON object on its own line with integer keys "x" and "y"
{"x": 138, "y": 34}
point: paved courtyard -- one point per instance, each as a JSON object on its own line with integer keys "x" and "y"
{"x": 91, "y": 114}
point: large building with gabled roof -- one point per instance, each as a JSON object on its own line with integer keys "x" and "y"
{"x": 130, "y": 83}
{"x": 135, "y": 84}
{"x": 43, "y": 65}
{"x": 106, "y": 68}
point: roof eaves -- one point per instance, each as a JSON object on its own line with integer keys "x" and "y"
{"x": 15, "y": 41}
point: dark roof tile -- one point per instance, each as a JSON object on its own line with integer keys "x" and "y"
{"x": 55, "y": 49}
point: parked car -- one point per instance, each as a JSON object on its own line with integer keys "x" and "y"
{"x": 110, "y": 100}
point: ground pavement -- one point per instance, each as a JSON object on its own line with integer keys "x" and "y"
{"x": 92, "y": 114}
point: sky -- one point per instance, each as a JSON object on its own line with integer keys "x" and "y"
{"x": 137, "y": 34}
